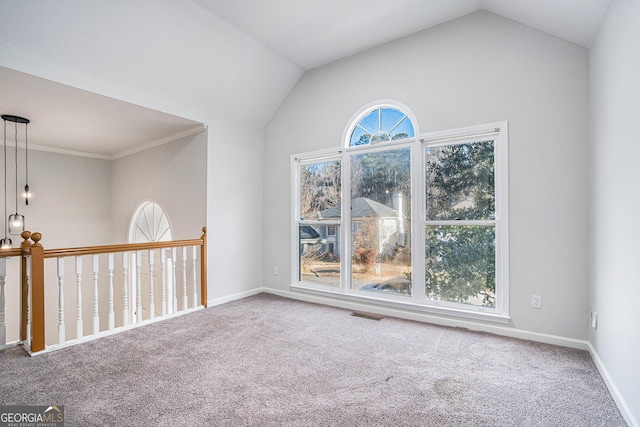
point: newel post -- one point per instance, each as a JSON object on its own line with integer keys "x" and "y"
{"x": 37, "y": 293}
{"x": 25, "y": 251}
{"x": 203, "y": 268}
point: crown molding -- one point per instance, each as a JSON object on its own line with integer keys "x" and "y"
{"x": 152, "y": 144}
{"x": 129, "y": 151}
{"x": 58, "y": 150}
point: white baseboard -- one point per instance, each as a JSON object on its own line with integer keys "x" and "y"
{"x": 10, "y": 345}
{"x": 613, "y": 389}
{"x": 429, "y": 318}
{"x": 234, "y": 297}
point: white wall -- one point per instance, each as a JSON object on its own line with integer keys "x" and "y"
{"x": 477, "y": 69}
{"x": 234, "y": 209}
{"x": 614, "y": 90}
{"x": 71, "y": 197}
{"x": 174, "y": 175}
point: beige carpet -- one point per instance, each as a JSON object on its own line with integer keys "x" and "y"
{"x": 267, "y": 360}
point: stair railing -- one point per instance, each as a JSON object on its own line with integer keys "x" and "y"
{"x": 32, "y": 311}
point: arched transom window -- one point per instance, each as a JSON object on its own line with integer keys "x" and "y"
{"x": 382, "y": 124}
{"x": 150, "y": 224}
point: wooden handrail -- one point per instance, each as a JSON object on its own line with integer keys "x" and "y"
{"x": 126, "y": 247}
{"x": 6, "y": 253}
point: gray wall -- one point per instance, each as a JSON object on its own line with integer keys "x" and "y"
{"x": 173, "y": 175}
{"x": 71, "y": 197}
{"x": 614, "y": 90}
{"x": 477, "y": 69}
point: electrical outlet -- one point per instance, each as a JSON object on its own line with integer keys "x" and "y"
{"x": 536, "y": 301}
{"x": 594, "y": 320}
{"x": 275, "y": 271}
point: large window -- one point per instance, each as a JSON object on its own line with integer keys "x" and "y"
{"x": 405, "y": 220}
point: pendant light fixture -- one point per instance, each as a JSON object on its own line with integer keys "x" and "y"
{"x": 6, "y": 242}
{"x": 15, "y": 221}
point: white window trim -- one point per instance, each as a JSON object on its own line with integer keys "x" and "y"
{"x": 417, "y": 301}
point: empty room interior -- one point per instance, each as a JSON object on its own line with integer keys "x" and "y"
{"x": 468, "y": 166}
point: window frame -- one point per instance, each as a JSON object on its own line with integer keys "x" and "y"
{"x": 499, "y": 132}
{"x": 296, "y": 162}
{"x": 417, "y": 301}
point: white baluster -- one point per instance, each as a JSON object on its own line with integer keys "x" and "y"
{"x": 174, "y": 293}
{"x": 28, "y": 277}
{"x": 185, "y": 304}
{"x": 125, "y": 294}
{"x": 79, "y": 326}
{"x": 3, "y": 326}
{"x": 194, "y": 283}
{"x": 163, "y": 293}
{"x": 152, "y": 307}
{"x": 61, "y": 328}
{"x": 112, "y": 320}
{"x": 96, "y": 314}
{"x": 138, "y": 286}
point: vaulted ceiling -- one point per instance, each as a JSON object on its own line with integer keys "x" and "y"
{"x": 236, "y": 59}
{"x": 311, "y": 34}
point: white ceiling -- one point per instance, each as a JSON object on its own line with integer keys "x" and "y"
{"x": 311, "y": 34}
{"x": 66, "y": 119}
{"x": 240, "y": 58}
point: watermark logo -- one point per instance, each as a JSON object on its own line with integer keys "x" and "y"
{"x": 31, "y": 416}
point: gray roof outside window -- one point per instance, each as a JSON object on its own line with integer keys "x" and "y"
{"x": 361, "y": 207}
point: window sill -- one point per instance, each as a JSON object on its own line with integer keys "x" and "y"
{"x": 407, "y": 306}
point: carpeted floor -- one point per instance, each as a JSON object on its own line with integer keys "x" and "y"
{"x": 267, "y": 360}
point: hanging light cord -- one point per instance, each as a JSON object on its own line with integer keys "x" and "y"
{"x": 26, "y": 164}
{"x": 16, "y": 127}
{"x": 5, "y": 179}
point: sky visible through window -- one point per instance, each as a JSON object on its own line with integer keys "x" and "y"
{"x": 381, "y": 125}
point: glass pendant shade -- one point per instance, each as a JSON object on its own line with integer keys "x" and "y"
{"x": 16, "y": 224}
{"x": 5, "y": 243}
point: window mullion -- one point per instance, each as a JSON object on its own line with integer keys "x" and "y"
{"x": 295, "y": 215}
{"x": 502, "y": 220}
{"x": 345, "y": 228}
{"x": 418, "y": 214}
